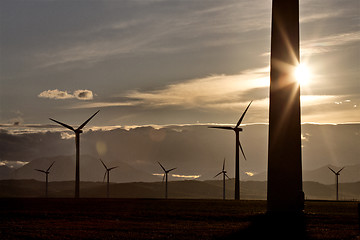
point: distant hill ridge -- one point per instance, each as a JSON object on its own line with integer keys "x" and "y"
{"x": 91, "y": 169}
{"x": 193, "y": 189}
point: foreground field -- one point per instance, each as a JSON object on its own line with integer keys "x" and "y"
{"x": 59, "y": 218}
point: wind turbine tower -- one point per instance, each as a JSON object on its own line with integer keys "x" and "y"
{"x": 166, "y": 178}
{"x": 77, "y": 132}
{"x": 47, "y": 177}
{"x": 337, "y": 182}
{"x": 238, "y": 146}
{"x": 107, "y": 172}
{"x": 223, "y": 172}
{"x": 285, "y": 192}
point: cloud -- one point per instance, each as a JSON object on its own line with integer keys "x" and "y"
{"x": 66, "y": 135}
{"x": 103, "y": 104}
{"x": 83, "y": 94}
{"x": 158, "y": 174}
{"x": 250, "y": 174}
{"x": 329, "y": 43}
{"x": 13, "y": 164}
{"x": 58, "y": 94}
{"x": 325, "y": 44}
{"x": 205, "y": 92}
{"x": 320, "y": 16}
{"x": 186, "y": 176}
{"x": 55, "y": 94}
{"x": 211, "y": 92}
{"x": 16, "y": 118}
{"x": 183, "y": 26}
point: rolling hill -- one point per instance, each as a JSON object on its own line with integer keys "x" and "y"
{"x": 189, "y": 189}
{"x": 92, "y": 170}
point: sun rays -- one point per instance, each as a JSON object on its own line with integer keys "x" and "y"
{"x": 302, "y": 74}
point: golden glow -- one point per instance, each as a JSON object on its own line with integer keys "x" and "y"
{"x": 302, "y": 74}
{"x": 101, "y": 148}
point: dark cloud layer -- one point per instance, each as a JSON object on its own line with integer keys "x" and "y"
{"x": 194, "y": 150}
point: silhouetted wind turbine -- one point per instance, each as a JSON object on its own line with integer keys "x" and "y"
{"x": 236, "y": 129}
{"x": 77, "y": 142}
{"x": 107, "y": 172}
{"x": 47, "y": 177}
{"x": 223, "y": 172}
{"x": 337, "y": 181}
{"x": 166, "y": 177}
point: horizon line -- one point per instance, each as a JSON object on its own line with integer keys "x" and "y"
{"x": 153, "y": 125}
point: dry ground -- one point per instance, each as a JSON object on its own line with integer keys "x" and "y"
{"x": 94, "y": 218}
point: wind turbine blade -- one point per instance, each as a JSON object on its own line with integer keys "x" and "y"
{"x": 162, "y": 166}
{"x": 242, "y": 150}
{"x": 340, "y": 170}
{"x": 243, "y": 115}
{"x": 171, "y": 169}
{"x": 223, "y": 165}
{"x": 103, "y": 164}
{"x": 50, "y": 166}
{"x": 218, "y": 174}
{"x": 63, "y": 124}
{"x": 83, "y": 125}
{"x": 332, "y": 170}
{"x": 40, "y": 170}
{"x": 227, "y": 176}
{"x": 163, "y": 177}
{"x": 225, "y": 127}
{"x": 104, "y": 176}
{"x": 113, "y": 168}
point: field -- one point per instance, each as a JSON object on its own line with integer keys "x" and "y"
{"x": 96, "y": 218}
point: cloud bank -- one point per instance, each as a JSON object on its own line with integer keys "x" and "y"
{"x": 196, "y": 151}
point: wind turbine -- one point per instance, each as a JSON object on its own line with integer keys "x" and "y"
{"x": 223, "y": 172}
{"x": 77, "y": 142}
{"x": 337, "y": 181}
{"x": 47, "y": 177}
{"x": 107, "y": 172}
{"x": 166, "y": 177}
{"x": 236, "y": 129}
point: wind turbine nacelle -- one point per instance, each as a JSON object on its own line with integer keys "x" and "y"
{"x": 78, "y": 131}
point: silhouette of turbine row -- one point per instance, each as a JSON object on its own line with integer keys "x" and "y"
{"x": 78, "y": 131}
{"x": 165, "y": 177}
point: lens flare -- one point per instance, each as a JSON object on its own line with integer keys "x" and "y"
{"x": 101, "y": 148}
{"x": 302, "y": 74}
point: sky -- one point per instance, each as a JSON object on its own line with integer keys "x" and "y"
{"x": 172, "y": 65}
{"x": 160, "y": 62}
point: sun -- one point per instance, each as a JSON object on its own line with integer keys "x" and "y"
{"x": 302, "y": 74}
